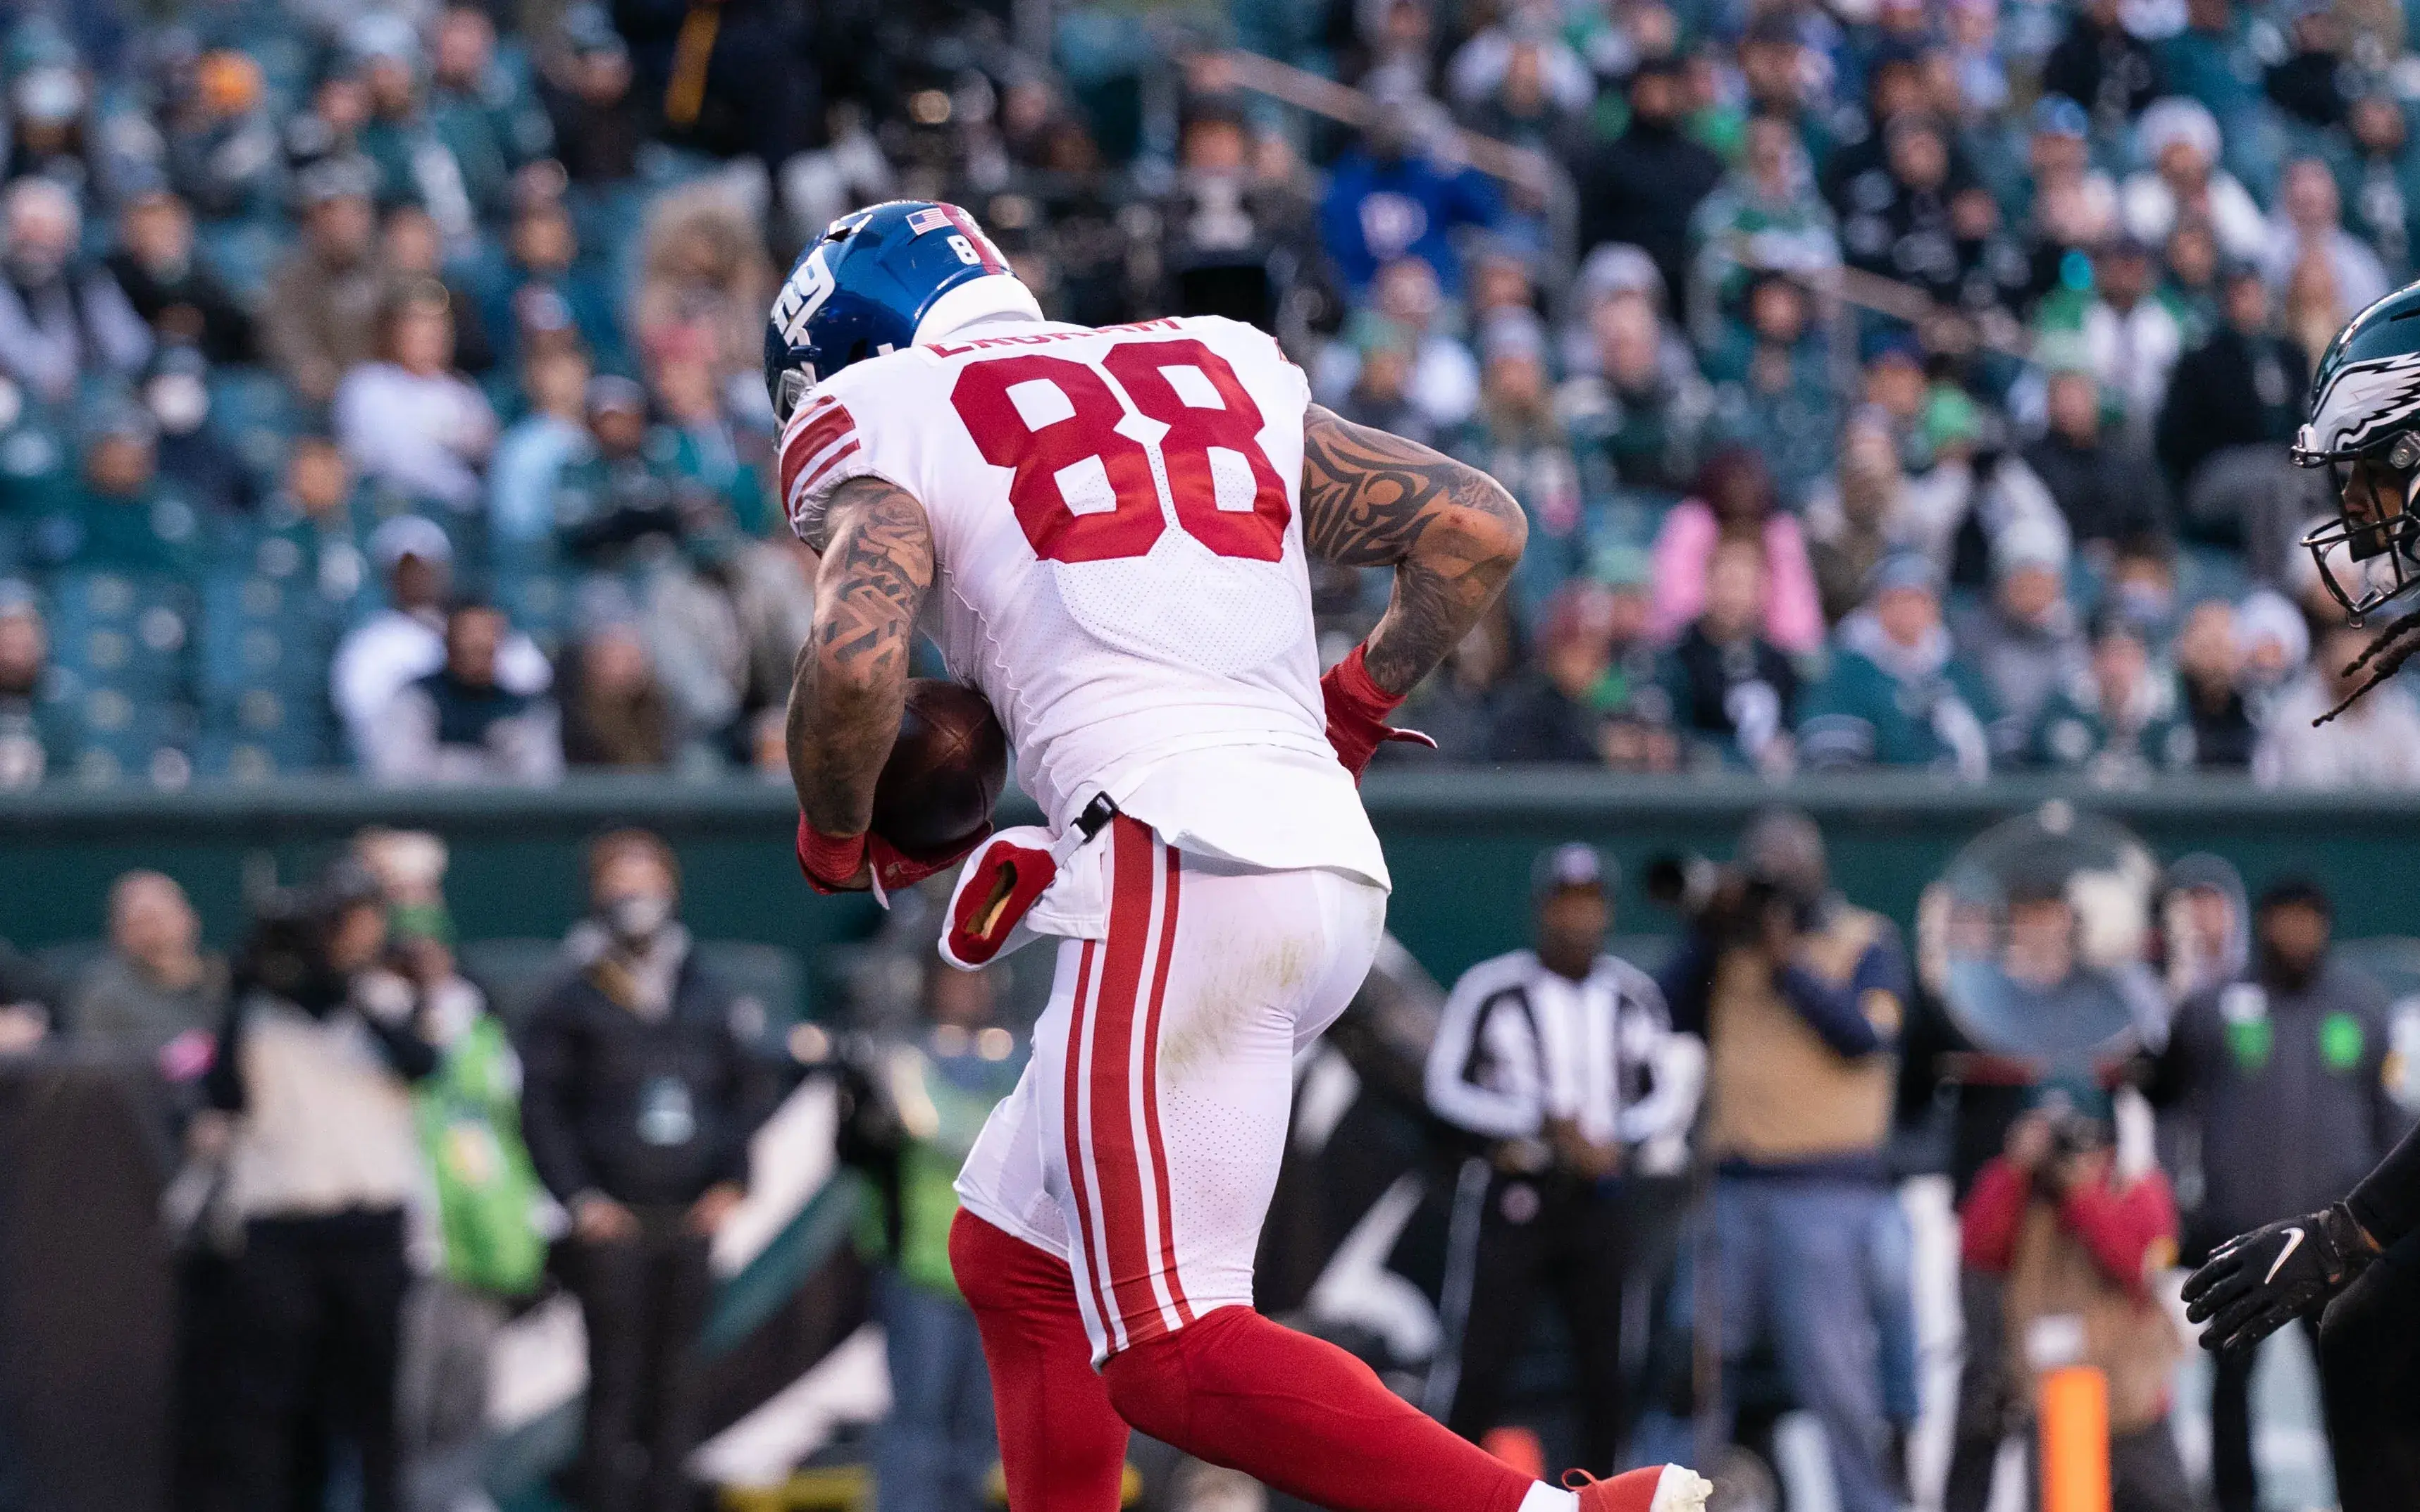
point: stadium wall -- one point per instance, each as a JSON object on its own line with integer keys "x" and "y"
{"x": 1460, "y": 842}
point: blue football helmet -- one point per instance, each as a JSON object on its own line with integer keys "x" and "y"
{"x": 879, "y": 279}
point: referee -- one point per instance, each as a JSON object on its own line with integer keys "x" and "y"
{"x": 1562, "y": 1064}
{"x": 2365, "y": 1253}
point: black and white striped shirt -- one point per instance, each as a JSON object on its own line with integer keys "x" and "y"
{"x": 1518, "y": 1045}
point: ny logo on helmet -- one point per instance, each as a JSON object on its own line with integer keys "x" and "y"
{"x": 809, "y": 285}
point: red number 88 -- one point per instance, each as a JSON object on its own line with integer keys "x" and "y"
{"x": 1083, "y": 490}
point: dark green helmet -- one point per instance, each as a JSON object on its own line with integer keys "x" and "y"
{"x": 2365, "y": 427}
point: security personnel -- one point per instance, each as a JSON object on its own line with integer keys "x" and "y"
{"x": 2284, "y": 1073}
{"x": 1563, "y": 1063}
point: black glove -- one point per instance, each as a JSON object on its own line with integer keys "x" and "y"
{"x": 2257, "y": 1283}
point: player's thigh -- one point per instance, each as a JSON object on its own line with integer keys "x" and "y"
{"x": 1260, "y": 962}
{"x": 1006, "y": 1178}
{"x": 1353, "y": 925}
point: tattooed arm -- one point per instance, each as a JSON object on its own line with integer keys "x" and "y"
{"x": 851, "y": 680}
{"x": 1451, "y": 532}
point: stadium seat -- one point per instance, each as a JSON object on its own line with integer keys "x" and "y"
{"x": 133, "y": 632}
{"x": 245, "y": 253}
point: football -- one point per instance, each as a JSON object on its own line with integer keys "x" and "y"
{"x": 945, "y": 771}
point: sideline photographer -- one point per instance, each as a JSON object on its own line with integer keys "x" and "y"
{"x": 312, "y": 1079}
{"x": 1800, "y": 996}
{"x": 2078, "y": 1237}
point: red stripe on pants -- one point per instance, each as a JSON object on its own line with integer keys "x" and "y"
{"x": 1117, "y": 1167}
{"x": 1077, "y": 1190}
{"x": 1151, "y": 1091}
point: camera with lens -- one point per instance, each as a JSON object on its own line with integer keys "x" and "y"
{"x": 2072, "y": 1134}
{"x": 1726, "y": 903}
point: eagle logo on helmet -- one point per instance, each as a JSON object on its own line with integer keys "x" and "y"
{"x": 2365, "y": 403}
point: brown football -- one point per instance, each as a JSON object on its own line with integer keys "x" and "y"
{"x": 945, "y": 771}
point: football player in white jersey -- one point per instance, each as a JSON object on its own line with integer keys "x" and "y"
{"x": 1108, "y": 533}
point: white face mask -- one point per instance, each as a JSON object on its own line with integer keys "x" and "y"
{"x": 636, "y": 920}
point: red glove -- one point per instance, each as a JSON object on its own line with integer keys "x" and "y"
{"x": 1357, "y": 715}
{"x": 833, "y": 863}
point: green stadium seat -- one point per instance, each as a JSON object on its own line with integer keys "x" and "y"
{"x": 243, "y": 251}
{"x": 130, "y": 631}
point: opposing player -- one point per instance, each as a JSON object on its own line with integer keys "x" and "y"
{"x": 2355, "y": 1262}
{"x": 1106, "y": 531}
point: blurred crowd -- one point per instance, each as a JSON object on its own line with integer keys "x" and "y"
{"x": 1888, "y": 384}
{"x": 2115, "y": 1067}
{"x": 1701, "y": 1154}
{"x": 378, "y": 1166}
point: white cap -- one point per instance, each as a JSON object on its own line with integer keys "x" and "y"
{"x": 410, "y": 535}
{"x": 977, "y": 299}
{"x": 2176, "y": 119}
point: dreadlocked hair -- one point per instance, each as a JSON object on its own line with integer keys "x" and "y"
{"x": 2383, "y": 656}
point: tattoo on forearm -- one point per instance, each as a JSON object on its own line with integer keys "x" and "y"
{"x": 1451, "y": 532}
{"x": 850, "y": 682}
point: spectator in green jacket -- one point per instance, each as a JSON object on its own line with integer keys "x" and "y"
{"x": 1897, "y": 696}
{"x": 937, "y": 1451}
{"x": 124, "y": 518}
{"x": 488, "y": 1199}
{"x": 2122, "y": 722}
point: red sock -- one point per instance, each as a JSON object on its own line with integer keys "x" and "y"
{"x": 1063, "y": 1447}
{"x": 1301, "y": 1416}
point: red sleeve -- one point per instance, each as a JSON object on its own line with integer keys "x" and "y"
{"x": 1988, "y": 1224}
{"x": 820, "y": 437}
{"x": 2122, "y": 1228}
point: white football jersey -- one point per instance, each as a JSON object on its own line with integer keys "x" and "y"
{"x": 1118, "y": 567}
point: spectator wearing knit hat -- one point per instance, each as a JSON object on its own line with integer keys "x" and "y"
{"x": 1897, "y": 695}
{"x": 1643, "y": 186}
{"x": 2024, "y": 641}
{"x": 1407, "y": 312}
{"x": 2123, "y": 722}
{"x": 1773, "y": 384}
{"x": 1517, "y": 438}
{"x": 1594, "y": 669}
{"x": 2179, "y": 143}
{"x": 405, "y": 640}
{"x": 61, "y": 319}
{"x": 321, "y": 315}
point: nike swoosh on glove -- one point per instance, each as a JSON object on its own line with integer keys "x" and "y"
{"x": 834, "y": 863}
{"x": 2257, "y": 1283}
{"x": 1357, "y": 715}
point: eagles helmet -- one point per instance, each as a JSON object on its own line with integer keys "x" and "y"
{"x": 2365, "y": 428}
{"x": 880, "y": 278}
